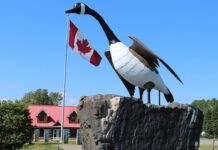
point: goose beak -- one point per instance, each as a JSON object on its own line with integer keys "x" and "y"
{"x": 70, "y": 11}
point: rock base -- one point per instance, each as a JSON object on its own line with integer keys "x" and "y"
{"x": 111, "y": 122}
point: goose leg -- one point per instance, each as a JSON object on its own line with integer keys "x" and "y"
{"x": 141, "y": 91}
{"x": 149, "y": 95}
{"x": 159, "y": 97}
{"x": 149, "y": 86}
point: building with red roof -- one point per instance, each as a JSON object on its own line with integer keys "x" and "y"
{"x": 48, "y": 118}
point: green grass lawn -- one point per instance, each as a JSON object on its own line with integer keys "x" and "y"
{"x": 45, "y": 146}
{"x": 72, "y": 142}
{"x": 52, "y": 146}
{"x": 40, "y": 146}
{"x": 207, "y": 147}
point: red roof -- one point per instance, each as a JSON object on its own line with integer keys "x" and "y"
{"x": 54, "y": 112}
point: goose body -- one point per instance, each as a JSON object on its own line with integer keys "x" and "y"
{"x": 135, "y": 65}
{"x": 133, "y": 70}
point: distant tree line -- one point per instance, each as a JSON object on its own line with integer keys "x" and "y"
{"x": 210, "y": 111}
{"x": 15, "y": 121}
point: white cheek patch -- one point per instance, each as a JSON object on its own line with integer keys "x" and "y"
{"x": 82, "y": 9}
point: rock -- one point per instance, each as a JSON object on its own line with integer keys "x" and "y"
{"x": 112, "y": 122}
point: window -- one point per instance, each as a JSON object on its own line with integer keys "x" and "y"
{"x": 42, "y": 117}
{"x": 73, "y": 118}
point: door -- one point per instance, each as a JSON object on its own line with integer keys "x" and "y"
{"x": 56, "y": 134}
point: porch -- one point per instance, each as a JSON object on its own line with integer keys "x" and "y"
{"x": 53, "y": 134}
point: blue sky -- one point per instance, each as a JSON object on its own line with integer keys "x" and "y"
{"x": 32, "y": 46}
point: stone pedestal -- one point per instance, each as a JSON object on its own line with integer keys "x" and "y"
{"x": 111, "y": 122}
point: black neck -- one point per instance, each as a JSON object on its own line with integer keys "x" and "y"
{"x": 109, "y": 33}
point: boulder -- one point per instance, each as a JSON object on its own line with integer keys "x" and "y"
{"x": 112, "y": 122}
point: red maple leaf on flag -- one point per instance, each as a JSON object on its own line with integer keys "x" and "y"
{"x": 83, "y": 46}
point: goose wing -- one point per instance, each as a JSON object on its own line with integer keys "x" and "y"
{"x": 129, "y": 86}
{"x": 149, "y": 56}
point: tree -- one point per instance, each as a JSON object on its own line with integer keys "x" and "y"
{"x": 42, "y": 97}
{"x": 200, "y": 104}
{"x": 215, "y": 120}
{"x": 207, "y": 126}
{"x": 55, "y": 98}
{"x": 15, "y": 125}
{"x": 210, "y": 111}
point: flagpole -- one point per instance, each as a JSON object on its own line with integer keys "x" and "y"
{"x": 65, "y": 77}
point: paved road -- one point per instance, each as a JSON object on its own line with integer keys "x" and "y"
{"x": 76, "y": 147}
{"x": 69, "y": 147}
{"x": 208, "y": 142}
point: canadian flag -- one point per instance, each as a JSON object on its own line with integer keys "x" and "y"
{"x": 80, "y": 45}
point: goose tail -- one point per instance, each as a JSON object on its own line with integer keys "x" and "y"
{"x": 169, "y": 97}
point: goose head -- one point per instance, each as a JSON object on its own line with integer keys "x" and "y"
{"x": 79, "y": 8}
{"x": 82, "y": 9}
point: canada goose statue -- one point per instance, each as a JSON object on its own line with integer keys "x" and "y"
{"x": 136, "y": 65}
